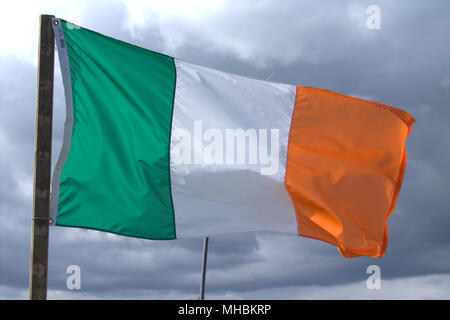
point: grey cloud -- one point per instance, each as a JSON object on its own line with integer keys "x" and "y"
{"x": 325, "y": 45}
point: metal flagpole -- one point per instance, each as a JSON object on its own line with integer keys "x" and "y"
{"x": 42, "y": 162}
{"x": 205, "y": 258}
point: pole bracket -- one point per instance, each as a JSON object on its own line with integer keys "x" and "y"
{"x": 50, "y": 220}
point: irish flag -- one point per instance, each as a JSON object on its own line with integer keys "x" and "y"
{"x": 159, "y": 148}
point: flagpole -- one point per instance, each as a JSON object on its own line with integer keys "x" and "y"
{"x": 42, "y": 162}
{"x": 205, "y": 258}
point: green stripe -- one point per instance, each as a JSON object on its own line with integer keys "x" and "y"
{"x": 117, "y": 177}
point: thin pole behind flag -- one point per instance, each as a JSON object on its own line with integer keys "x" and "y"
{"x": 42, "y": 162}
{"x": 205, "y": 258}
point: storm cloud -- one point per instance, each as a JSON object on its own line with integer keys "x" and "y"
{"x": 323, "y": 44}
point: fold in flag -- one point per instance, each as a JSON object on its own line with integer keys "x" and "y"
{"x": 159, "y": 148}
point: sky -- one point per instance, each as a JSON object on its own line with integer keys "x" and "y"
{"x": 324, "y": 44}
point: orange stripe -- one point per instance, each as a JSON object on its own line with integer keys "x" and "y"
{"x": 345, "y": 166}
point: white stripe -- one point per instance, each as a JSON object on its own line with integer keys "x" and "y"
{"x": 228, "y": 198}
{"x": 68, "y": 124}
